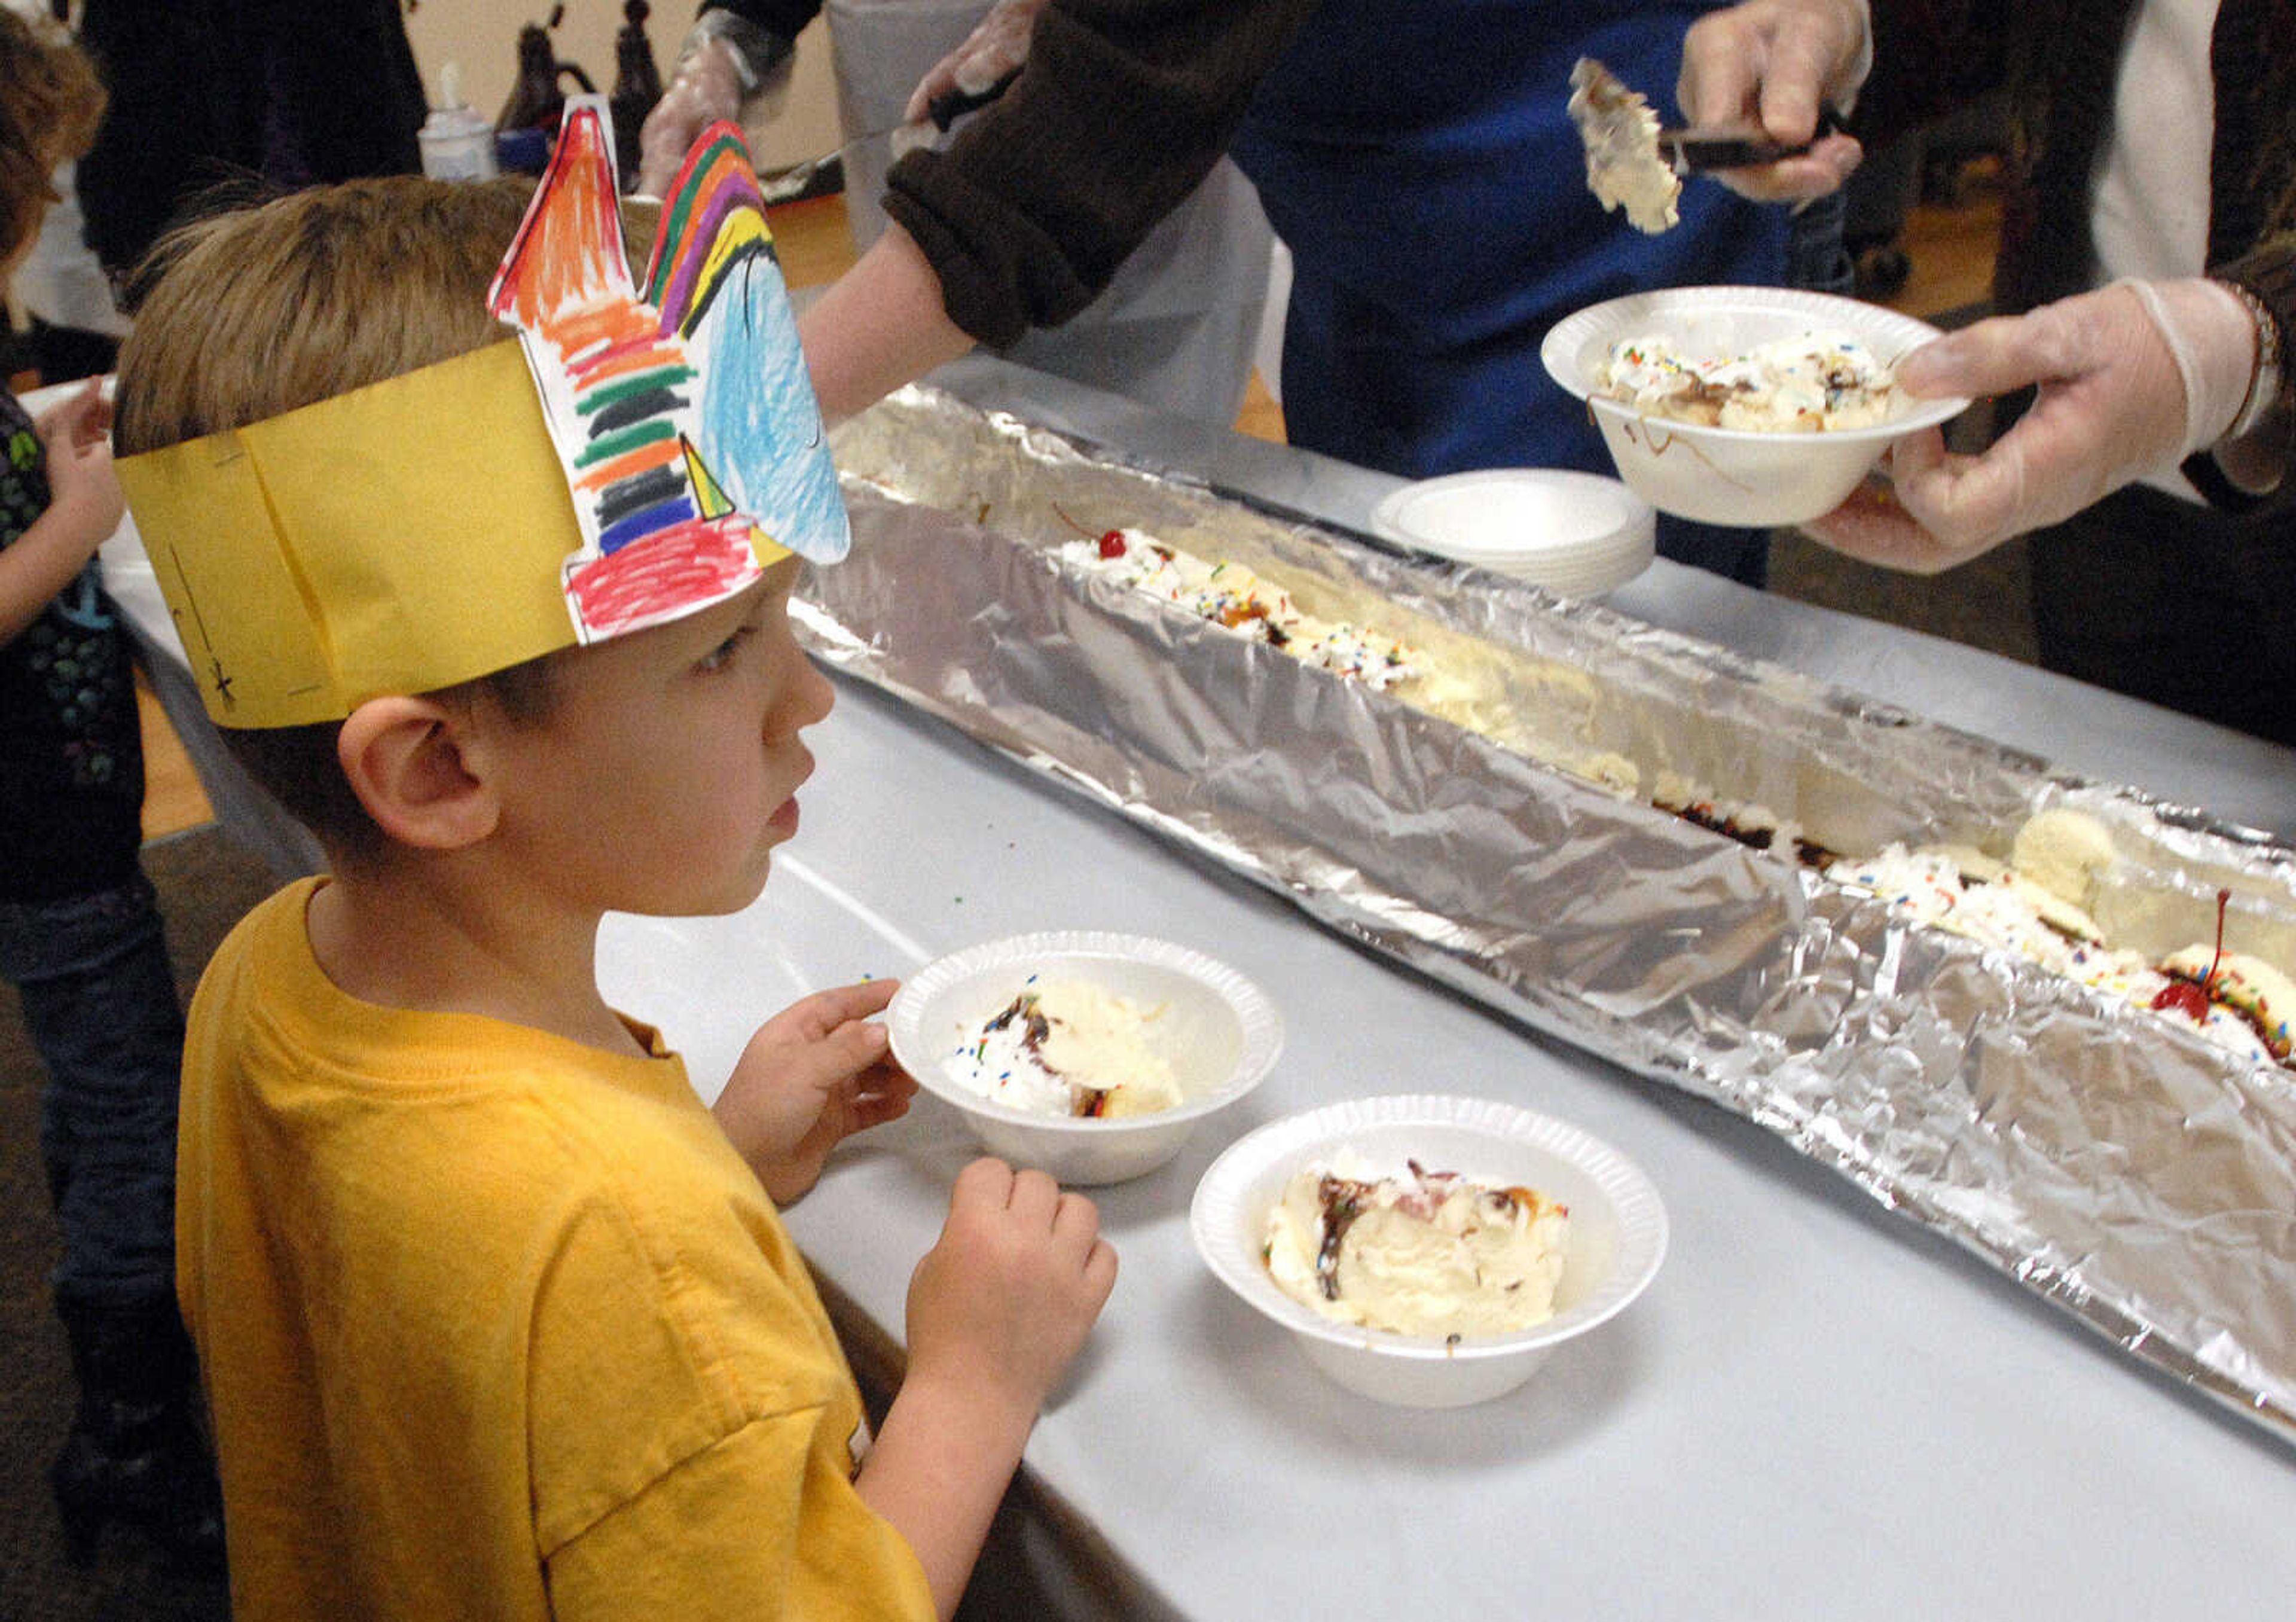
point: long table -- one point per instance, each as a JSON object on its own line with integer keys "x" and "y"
{"x": 1817, "y": 1408}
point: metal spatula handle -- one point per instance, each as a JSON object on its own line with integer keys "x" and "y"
{"x": 944, "y": 110}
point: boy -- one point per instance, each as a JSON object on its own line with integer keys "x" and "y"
{"x": 80, "y": 936}
{"x": 496, "y": 1319}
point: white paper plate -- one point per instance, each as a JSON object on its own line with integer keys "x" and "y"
{"x": 1575, "y": 532}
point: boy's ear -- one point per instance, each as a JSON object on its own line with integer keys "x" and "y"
{"x": 405, "y": 760}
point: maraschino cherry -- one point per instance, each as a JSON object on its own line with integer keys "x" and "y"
{"x": 2191, "y": 998}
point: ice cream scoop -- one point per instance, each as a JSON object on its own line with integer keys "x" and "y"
{"x": 1635, "y": 163}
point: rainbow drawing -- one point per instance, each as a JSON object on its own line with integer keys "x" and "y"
{"x": 692, "y": 446}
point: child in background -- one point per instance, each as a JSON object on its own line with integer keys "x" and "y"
{"x": 80, "y": 936}
{"x": 496, "y": 1318}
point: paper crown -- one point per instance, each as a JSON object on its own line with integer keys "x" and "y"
{"x": 628, "y": 460}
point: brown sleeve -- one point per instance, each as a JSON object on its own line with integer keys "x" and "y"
{"x": 786, "y": 18}
{"x": 1124, "y": 106}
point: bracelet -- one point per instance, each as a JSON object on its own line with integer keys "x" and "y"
{"x": 2264, "y": 380}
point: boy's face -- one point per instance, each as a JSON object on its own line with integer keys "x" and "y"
{"x": 667, "y": 767}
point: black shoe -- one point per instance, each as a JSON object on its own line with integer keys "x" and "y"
{"x": 135, "y": 1456}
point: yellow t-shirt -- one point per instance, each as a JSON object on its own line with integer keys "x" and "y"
{"x": 495, "y": 1324}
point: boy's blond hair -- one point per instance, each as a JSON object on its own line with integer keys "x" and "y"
{"x": 251, "y": 313}
{"x": 51, "y": 102}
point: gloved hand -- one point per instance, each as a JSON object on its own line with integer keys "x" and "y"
{"x": 727, "y": 68}
{"x": 1771, "y": 63}
{"x": 2133, "y": 377}
{"x": 996, "y": 48}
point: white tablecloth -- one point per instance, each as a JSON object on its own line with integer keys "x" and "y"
{"x": 1819, "y": 1409}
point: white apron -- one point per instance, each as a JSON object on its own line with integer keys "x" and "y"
{"x": 1176, "y": 329}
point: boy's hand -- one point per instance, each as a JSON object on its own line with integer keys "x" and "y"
{"x": 813, "y": 1075}
{"x": 1002, "y": 1303}
{"x": 997, "y": 1309}
{"x": 81, "y": 484}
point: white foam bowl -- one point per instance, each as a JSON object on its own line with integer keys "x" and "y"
{"x": 1732, "y": 476}
{"x": 1579, "y": 533}
{"x": 1218, "y": 1031}
{"x": 1617, "y": 1234}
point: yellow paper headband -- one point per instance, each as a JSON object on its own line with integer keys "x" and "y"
{"x": 625, "y": 462}
{"x": 311, "y": 561}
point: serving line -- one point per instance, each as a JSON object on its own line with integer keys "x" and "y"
{"x": 1812, "y": 1401}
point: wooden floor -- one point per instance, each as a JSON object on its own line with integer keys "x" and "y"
{"x": 173, "y": 799}
{"x": 1951, "y": 248}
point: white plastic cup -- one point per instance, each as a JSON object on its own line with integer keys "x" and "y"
{"x": 458, "y": 142}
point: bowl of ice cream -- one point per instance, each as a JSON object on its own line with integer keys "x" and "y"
{"x": 1089, "y": 1054}
{"x": 1577, "y": 533}
{"x": 1746, "y": 406}
{"x": 1427, "y": 1250}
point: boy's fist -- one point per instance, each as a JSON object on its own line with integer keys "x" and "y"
{"x": 1003, "y": 1302}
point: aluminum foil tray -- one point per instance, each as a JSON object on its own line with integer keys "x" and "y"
{"x": 2140, "y": 1178}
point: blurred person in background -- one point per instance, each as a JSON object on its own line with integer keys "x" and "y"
{"x": 80, "y": 933}
{"x": 76, "y": 327}
{"x": 276, "y": 92}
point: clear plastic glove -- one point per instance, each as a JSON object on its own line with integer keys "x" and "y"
{"x": 997, "y": 46}
{"x": 708, "y": 86}
{"x": 2133, "y": 378}
{"x": 715, "y": 79}
{"x": 1771, "y": 64}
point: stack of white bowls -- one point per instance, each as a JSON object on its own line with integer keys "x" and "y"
{"x": 1578, "y": 534}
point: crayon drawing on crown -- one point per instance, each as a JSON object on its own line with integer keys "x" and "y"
{"x": 692, "y": 446}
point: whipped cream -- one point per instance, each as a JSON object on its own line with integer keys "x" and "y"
{"x": 1962, "y": 892}
{"x": 1228, "y": 593}
{"x": 1813, "y": 383}
{"x": 1417, "y": 1252}
{"x": 1068, "y": 1048}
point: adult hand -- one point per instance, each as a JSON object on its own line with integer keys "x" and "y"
{"x": 730, "y": 70}
{"x": 707, "y": 87}
{"x": 1769, "y": 65}
{"x": 82, "y": 489}
{"x": 813, "y": 1075}
{"x": 999, "y": 1306}
{"x": 2132, "y": 378}
{"x": 996, "y": 48}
